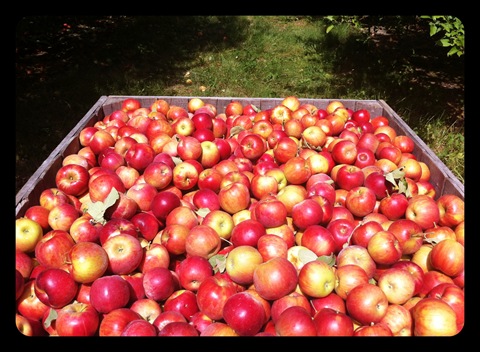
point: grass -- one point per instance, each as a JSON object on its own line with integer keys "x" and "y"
{"x": 61, "y": 71}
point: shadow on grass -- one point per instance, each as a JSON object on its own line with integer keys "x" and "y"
{"x": 64, "y": 64}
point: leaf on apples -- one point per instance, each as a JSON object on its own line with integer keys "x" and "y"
{"x": 203, "y": 212}
{"x": 52, "y": 315}
{"x": 236, "y": 130}
{"x": 329, "y": 259}
{"x": 306, "y": 255}
{"x": 218, "y": 262}
{"x": 176, "y": 160}
{"x": 97, "y": 209}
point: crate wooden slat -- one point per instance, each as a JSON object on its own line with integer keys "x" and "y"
{"x": 441, "y": 177}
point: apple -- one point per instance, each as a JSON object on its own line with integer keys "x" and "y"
{"x": 29, "y": 305}
{"x": 244, "y": 313}
{"x": 415, "y": 270}
{"x": 263, "y": 186}
{"x": 318, "y": 239}
{"x": 183, "y": 301}
{"x": 53, "y": 248}
{"x": 148, "y": 308}
{"x": 296, "y": 170}
{"x": 247, "y": 232}
{"x": 271, "y": 246}
{"x": 366, "y": 304}
{"x": 235, "y": 176}
{"x": 275, "y": 278}
{"x": 393, "y": 206}
{"x": 452, "y": 210}
{"x": 51, "y": 197}
{"x": 295, "y": 321}
{"x": 86, "y": 134}
{"x": 101, "y": 185}
{"x": 158, "y": 283}
{"x": 377, "y": 182}
{"x": 183, "y": 214}
{"x": 241, "y": 263}
{"x": 139, "y": 327}
{"x": 291, "y": 195}
{"x": 163, "y": 203}
{"x": 234, "y": 197}
{"x": 202, "y": 241}
{"x": 147, "y": 224}
{"x": 448, "y": 256}
{"x": 218, "y": 329}
{"x": 253, "y": 146}
{"x": 88, "y": 261}
{"x": 284, "y": 149}
{"x": 84, "y": 229}
{"x": 124, "y": 253}
{"x": 100, "y": 140}
{"x": 423, "y": 210}
{"x": 167, "y": 317}
{"x": 38, "y": 214}
{"x": 213, "y": 292}
{"x": 454, "y": 296}
{"x": 24, "y": 263}
{"x": 155, "y": 255}
{"x": 77, "y": 319}
{"x": 160, "y": 105}
{"x": 316, "y": 279}
{"x": 178, "y": 328}
{"x": 341, "y": 230}
{"x": 192, "y": 270}
{"x": 398, "y": 319}
{"x": 210, "y": 178}
{"x": 221, "y": 222}
{"x": 205, "y": 199}
{"x": 357, "y": 255}
{"x": 292, "y": 299}
{"x": 347, "y": 277}
{"x": 374, "y": 329}
{"x": 55, "y": 287}
{"x": 114, "y": 227}
{"x": 398, "y": 284}
{"x": 62, "y": 216}
{"x": 433, "y": 317}
{"x": 384, "y": 248}
{"x": 113, "y": 323}
{"x": 330, "y": 322}
{"x": 360, "y": 201}
{"x": 109, "y": 292}
{"x": 292, "y": 102}
{"x": 344, "y": 152}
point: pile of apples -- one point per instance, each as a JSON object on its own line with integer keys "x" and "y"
{"x": 289, "y": 221}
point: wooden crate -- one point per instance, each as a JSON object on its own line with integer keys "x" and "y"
{"x": 441, "y": 177}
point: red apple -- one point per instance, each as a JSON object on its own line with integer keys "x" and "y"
{"x": 398, "y": 319}
{"x": 394, "y": 206}
{"x": 62, "y": 216}
{"x": 247, "y": 232}
{"x": 367, "y": 304}
{"x": 124, "y": 254}
{"x": 454, "y": 296}
{"x": 341, "y": 230}
{"x": 415, "y": 270}
{"x": 448, "y": 256}
{"x": 148, "y": 308}
{"x": 452, "y": 210}
{"x": 163, "y": 203}
{"x": 192, "y": 270}
{"x": 139, "y": 327}
{"x": 275, "y": 278}
{"x": 108, "y": 293}
{"x": 295, "y": 321}
{"x": 241, "y": 263}
{"x": 330, "y": 322}
{"x": 77, "y": 319}
{"x": 316, "y": 279}
{"x": 212, "y": 293}
{"x": 357, "y": 255}
{"x": 202, "y": 241}
{"x": 384, "y": 248}
{"x": 318, "y": 239}
{"x": 349, "y": 276}
{"x": 53, "y": 248}
{"x": 423, "y": 210}
{"x": 360, "y": 201}
{"x": 113, "y": 323}
{"x": 433, "y": 317}
{"x": 158, "y": 283}
{"x": 55, "y": 287}
{"x": 244, "y": 313}
{"x": 397, "y": 284}
{"x": 88, "y": 262}
{"x": 183, "y": 301}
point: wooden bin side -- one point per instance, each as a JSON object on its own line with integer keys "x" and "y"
{"x": 441, "y": 177}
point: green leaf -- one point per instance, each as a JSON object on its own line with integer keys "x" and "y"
{"x": 329, "y": 259}
{"x": 52, "y": 315}
{"x": 306, "y": 255}
{"x": 236, "y": 130}
{"x": 218, "y": 262}
{"x": 202, "y": 212}
{"x": 97, "y": 209}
